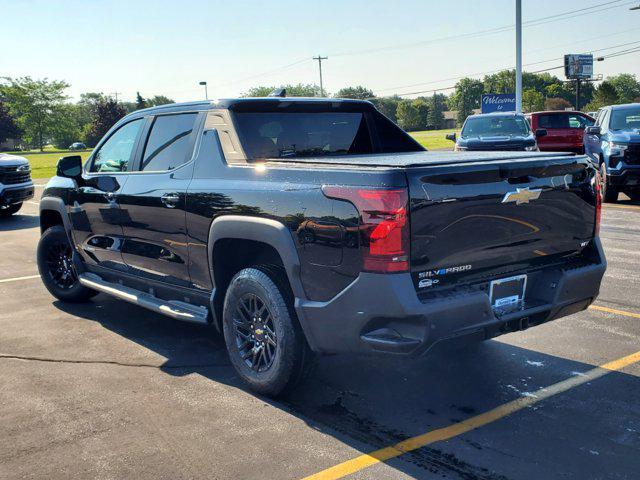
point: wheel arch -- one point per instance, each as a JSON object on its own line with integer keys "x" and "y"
{"x": 263, "y": 231}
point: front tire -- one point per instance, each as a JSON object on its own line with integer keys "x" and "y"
{"x": 609, "y": 192}
{"x": 56, "y": 267}
{"x": 6, "y": 212}
{"x": 265, "y": 343}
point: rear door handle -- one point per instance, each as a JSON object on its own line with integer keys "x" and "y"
{"x": 170, "y": 200}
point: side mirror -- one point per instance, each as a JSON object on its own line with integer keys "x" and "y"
{"x": 451, "y": 136}
{"x": 70, "y": 167}
{"x": 592, "y": 130}
{"x": 541, "y": 132}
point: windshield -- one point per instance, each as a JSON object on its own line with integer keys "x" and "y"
{"x": 625, "y": 119}
{"x": 318, "y": 134}
{"x": 499, "y": 125}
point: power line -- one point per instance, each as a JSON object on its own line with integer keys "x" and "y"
{"x": 442, "y": 89}
{"x": 431, "y": 82}
{"x": 491, "y": 31}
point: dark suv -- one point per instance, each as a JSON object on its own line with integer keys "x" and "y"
{"x": 508, "y": 131}
{"x": 301, "y": 226}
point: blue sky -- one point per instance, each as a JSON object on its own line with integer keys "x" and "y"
{"x": 167, "y": 47}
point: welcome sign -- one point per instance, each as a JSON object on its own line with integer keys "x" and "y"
{"x": 498, "y": 102}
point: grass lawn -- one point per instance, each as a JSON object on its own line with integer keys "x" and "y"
{"x": 43, "y": 164}
{"x": 434, "y": 139}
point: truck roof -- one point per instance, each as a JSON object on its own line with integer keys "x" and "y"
{"x": 230, "y": 103}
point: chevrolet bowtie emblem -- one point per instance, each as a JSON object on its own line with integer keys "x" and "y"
{"x": 521, "y": 195}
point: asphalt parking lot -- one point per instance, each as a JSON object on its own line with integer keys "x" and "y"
{"x": 108, "y": 390}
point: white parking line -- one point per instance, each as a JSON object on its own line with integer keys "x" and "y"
{"x": 17, "y": 279}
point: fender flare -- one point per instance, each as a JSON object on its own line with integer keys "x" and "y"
{"x": 263, "y": 230}
{"x": 57, "y": 204}
{"x": 270, "y": 232}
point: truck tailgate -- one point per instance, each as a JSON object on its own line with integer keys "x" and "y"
{"x": 469, "y": 219}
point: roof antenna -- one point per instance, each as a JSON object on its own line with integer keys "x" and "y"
{"x": 279, "y": 92}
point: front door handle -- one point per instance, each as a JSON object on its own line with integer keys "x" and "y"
{"x": 170, "y": 200}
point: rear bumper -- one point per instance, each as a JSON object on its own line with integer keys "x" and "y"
{"x": 382, "y": 313}
{"x": 16, "y": 193}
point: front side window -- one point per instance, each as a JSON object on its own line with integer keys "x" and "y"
{"x": 578, "y": 121}
{"x": 625, "y": 119}
{"x": 168, "y": 143}
{"x": 498, "y": 125}
{"x": 115, "y": 154}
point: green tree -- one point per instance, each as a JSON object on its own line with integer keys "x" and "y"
{"x": 604, "y": 95}
{"x": 299, "y": 90}
{"x": 466, "y": 97}
{"x": 107, "y": 113}
{"x": 556, "y": 103}
{"x": 159, "y": 100}
{"x": 437, "y": 106}
{"x": 140, "y": 102}
{"x": 8, "y": 126}
{"x": 408, "y": 115}
{"x": 626, "y": 87}
{"x": 421, "y": 104}
{"x": 500, "y": 82}
{"x": 68, "y": 127}
{"x": 359, "y": 93}
{"x": 388, "y": 106}
{"x": 35, "y": 104}
{"x": 532, "y": 100}
{"x": 87, "y": 106}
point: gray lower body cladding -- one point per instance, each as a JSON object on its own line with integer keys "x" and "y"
{"x": 16, "y": 194}
{"x": 383, "y": 313}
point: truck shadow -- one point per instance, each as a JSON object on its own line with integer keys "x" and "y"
{"x": 19, "y": 222}
{"x": 373, "y": 402}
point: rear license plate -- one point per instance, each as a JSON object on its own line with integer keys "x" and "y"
{"x": 507, "y": 294}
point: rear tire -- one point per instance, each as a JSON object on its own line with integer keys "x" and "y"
{"x": 6, "y": 212}
{"x": 265, "y": 343}
{"x": 609, "y": 192}
{"x": 56, "y": 267}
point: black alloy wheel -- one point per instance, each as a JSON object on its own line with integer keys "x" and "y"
{"x": 255, "y": 333}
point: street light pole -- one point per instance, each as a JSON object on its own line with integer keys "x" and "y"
{"x": 206, "y": 94}
{"x": 518, "y": 56}
{"x": 320, "y": 58}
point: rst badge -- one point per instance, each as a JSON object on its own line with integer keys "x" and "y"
{"x": 521, "y": 195}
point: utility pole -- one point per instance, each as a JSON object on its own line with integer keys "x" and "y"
{"x": 518, "y": 56}
{"x": 578, "y": 94}
{"x": 115, "y": 94}
{"x": 320, "y": 58}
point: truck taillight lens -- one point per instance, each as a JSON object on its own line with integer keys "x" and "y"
{"x": 384, "y": 225}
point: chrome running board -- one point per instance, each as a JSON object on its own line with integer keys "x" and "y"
{"x": 171, "y": 308}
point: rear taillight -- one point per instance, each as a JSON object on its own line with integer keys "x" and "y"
{"x": 598, "y": 190}
{"x": 384, "y": 226}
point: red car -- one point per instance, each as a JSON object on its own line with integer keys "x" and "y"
{"x": 565, "y": 130}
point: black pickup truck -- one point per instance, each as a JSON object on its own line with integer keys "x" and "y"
{"x": 302, "y": 226}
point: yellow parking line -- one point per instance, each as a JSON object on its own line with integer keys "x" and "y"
{"x": 17, "y": 279}
{"x": 363, "y": 461}
{"x": 616, "y": 311}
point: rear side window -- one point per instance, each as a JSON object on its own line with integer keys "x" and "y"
{"x": 168, "y": 143}
{"x": 317, "y": 134}
{"x": 553, "y": 120}
{"x": 294, "y": 135}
